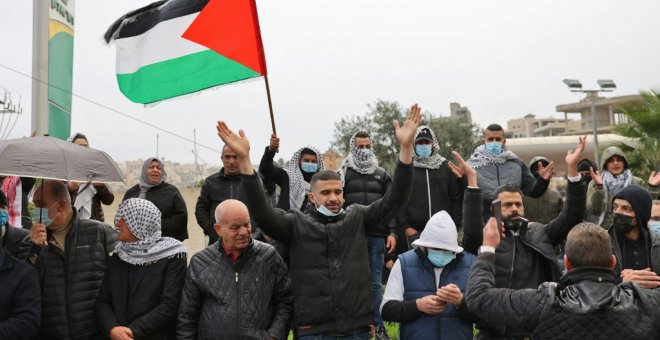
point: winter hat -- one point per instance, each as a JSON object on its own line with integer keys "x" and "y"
{"x": 534, "y": 163}
{"x": 424, "y": 134}
{"x": 640, "y": 200}
{"x": 440, "y": 233}
{"x": 585, "y": 164}
{"x": 610, "y": 152}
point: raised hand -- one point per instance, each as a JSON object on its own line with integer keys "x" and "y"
{"x": 595, "y": 176}
{"x": 406, "y": 133}
{"x": 239, "y": 143}
{"x": 654, "y": 179}
{"x": 546, "y": 172}
{"x": 463, "y": 169}
{"x": 492, "y": 233}
{"x": 573, "y": 157}
{"x": 274, "y": 145}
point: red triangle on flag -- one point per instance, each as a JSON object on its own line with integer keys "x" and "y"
{"x": 230, "y": 28}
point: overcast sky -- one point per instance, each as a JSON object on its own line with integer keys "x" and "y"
{"x": 327, "y": 59}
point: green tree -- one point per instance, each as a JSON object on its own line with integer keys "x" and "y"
{"x": 452, "y": 133}
{"x": 644, "y": 127}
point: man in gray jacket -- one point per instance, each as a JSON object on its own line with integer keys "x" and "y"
{"x": 327, "y": 245}
{"x": 497, "y": 166}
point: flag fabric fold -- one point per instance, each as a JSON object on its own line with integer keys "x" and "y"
{"x": 176, "y": 47}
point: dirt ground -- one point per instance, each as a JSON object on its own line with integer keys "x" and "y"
{"x": 195, "y": 241}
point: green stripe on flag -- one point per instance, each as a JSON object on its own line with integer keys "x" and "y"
{"x": 183, "y": 75}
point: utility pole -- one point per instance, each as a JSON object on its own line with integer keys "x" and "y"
{"x": 157, "y": 142}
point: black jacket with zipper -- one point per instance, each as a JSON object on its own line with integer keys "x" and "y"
{"x": 250, "y": 299}
{"x": 586, "y": 304}
{"x": 368, "y": 188}
{"x": 441, "y": 188}
{"x": 70, "y": 280}
{"x": 526, "y": 258}
{"x": 217, "y": 188}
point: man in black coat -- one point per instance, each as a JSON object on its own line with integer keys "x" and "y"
{"x": 586, "y": 304}
{"x": 236, "y": 288}
{"x": 70, "y": 257}
{"x": 526, "y": 257}
{"x": 364, "y": 183}
{"x": 20, "y": 298}
{"x": 327, "y": 245}
{"x": 221, "y": 186}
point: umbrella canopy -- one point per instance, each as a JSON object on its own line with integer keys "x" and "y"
{"x": 52, "y": 158}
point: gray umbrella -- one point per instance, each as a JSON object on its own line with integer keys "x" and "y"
{"x": 52, "y": 158}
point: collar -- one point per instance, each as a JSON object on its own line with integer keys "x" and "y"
{"x": 233, "y": 258}
{"x": 595, "y": 274}
{"x": 222, "y": 174}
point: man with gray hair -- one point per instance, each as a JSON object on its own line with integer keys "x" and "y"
{"x": 237, "y": 288}
{"x": 586, "y": 302}
{"x": 70, "y": 255}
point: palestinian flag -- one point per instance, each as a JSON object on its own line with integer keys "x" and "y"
{"x": 175, "y": 47}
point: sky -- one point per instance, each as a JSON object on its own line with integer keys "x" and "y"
{"x": 329, "y": 59}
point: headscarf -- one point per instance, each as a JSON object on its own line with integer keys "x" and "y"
{"x": 357, "y": 161}
{"x": 481, "y": 157}
{"x": 143, "y": 219}
{"x": 435, "y": 160}
{"x": 144, "y": 178}
{"x": 298, "y": 187}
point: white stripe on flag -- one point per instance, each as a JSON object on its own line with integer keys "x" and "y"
{"x": 162, "y": 42}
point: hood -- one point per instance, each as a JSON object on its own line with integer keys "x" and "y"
{"x": 533, "y": 163}
{"x": 440, "y": 232}
{"x": 612, "y": 151}
{"x": 641, "y": 202}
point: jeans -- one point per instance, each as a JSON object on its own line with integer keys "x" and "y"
{"x": 361, "y": 336}
{"x": 376, "y": 248}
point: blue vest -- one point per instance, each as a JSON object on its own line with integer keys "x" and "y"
{"x": 419, "y": 281}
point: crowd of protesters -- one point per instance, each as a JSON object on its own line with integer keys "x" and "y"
{"x": 477, "y": 248}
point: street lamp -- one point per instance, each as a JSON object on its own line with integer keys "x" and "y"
{"x": 606, "y": 85}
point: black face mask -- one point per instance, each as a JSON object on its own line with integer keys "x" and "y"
{"x": 622, "y": 223}
{"x": 515, "y": 225}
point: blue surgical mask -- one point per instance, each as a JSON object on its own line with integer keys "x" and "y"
{"x": 325, "y": 211}
{"x": 366, "y": 153}
{"x": 309, "y": 167}
{"x": 424, "y": 150}
{"x": 3, "y": 217}
{"x": 494, "y": 148}
{"x": 42, "y": 213}
{"x": 440, "y": 258}
{"x": 655, "y": 226}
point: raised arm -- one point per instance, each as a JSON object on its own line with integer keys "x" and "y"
{"x": 576, "y": 201}
{"x": 389, "y": 205}
{"x": 267, "y": 168}
{"x": 519, "y": 308}
{"x": 273, "y": 222}
{"x": 472, "y": 204}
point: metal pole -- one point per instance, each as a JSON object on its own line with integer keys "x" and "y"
{"x": 593, "y": 117}
{"x": 157, "y": 141}
{"x": 40, "y": 14}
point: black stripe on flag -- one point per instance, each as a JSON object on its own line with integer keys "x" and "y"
{"x": 141, "y": 20}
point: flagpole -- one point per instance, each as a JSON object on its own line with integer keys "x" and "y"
{"x": 270, "y": 105}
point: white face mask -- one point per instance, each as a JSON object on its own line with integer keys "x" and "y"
{"x": 325, "y": 211}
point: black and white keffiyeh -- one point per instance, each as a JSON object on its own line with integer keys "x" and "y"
{"x": 358, "y": 161}
{"x": 435, "y": 160}
{"x": 143, "y": 219}
{"x": 298, "y": 187}
{"x": 481, "y": 157}
{"x": 612, "y": 185}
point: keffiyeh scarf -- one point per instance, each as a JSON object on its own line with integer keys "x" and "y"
{"x": 480, "y": 157}
{"x": 298, "y": 187}
{"x": 435, "y": 160}
{"x": 358, "y": 161}
{"x": 612, "y": 184}
{"x": 144, "y": 177}
{"x": 143, "y": 219}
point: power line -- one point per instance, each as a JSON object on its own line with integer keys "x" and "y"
{"x": 91, "y": 101}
